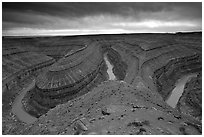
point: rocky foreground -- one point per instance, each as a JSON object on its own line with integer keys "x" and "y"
{"x": 114, "y": 108}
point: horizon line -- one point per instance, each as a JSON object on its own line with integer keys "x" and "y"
{"x": 89, "y": 34}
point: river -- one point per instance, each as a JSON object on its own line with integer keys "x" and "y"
{"x": 17, "y": 107}
{"x": 178, "y": 90}
{"x": 110, "y": 68}
{"x": 22, "y": 115}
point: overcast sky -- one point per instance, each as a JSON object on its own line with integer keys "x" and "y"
{"x": 96, "y": 18}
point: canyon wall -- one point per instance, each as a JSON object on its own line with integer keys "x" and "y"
{"x": 147, "y": 68}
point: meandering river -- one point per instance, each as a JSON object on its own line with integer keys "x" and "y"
{"x": 22, "y": 115}
{"x": 18, "y": 109}
{"x": 178, "y": 90}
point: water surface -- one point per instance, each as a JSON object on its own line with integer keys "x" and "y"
{"x": 178, "y": 90}
{"x": 17, "y": 108}
{"x": 110, "y": 69}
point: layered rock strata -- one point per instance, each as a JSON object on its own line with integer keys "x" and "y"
{"x": 68, "y": 78}
{"x": 18, "y": 65}
{"x": 163, "y": 69}
{"x": 191, "y": 101}
{"x": 151, "y": 64}
{"x": 173, "y": 70}
{"x": 164, "y": 66}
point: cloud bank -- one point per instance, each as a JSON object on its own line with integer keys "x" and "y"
{"x": 78, "y": 18}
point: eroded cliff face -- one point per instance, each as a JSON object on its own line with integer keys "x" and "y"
{"x": 71, "y": 76}
{"x": 114, "y": 108}
{"x": 75, "y": 95}
{"x": 119, "y": 66}
{"x": 165, "y": 77}
{"x": 191, "y": 101}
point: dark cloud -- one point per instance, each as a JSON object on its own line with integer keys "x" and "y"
{"x": 82, "y": 9}
{"x": 52, "y": 15}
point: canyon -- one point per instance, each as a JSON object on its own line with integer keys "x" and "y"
{"x": 103, "y": 84}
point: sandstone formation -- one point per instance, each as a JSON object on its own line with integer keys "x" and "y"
{"x": 68, "y": 97}
{"x": 71, "y": 76}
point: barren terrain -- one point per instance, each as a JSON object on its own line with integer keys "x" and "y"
{"x": 102, "y": 84}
